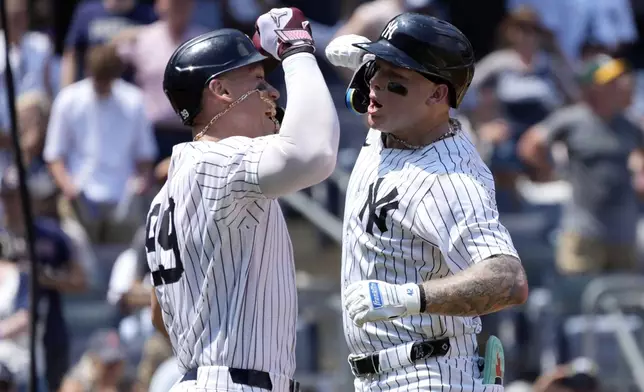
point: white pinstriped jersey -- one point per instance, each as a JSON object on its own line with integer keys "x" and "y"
{"x": 413, "y": 216}
{"x": 231, "y": 300}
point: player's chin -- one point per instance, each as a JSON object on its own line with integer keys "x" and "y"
{"x": 376, "y": 121}
{"x": 270, "y": 127}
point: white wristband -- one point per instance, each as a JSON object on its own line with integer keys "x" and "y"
{"x": 409, "y": 295}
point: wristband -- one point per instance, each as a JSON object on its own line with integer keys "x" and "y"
{"x": 423, "y": 300}
{"x": 298, "y": 49}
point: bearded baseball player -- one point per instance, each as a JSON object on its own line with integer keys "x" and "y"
{"x": 218, "y": 245}
{"x": 424, "y": 254}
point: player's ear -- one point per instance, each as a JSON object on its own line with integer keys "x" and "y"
{"x": 218, "y": 88}
{"x": 440, "y": 93}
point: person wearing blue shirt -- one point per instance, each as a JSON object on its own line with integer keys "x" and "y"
{"x": 59, "y": 272}
{"x": 96, "y": 22}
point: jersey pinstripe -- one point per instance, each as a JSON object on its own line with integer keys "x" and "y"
{"x": 413, "y": 216}
{"x": 222, "y": 260}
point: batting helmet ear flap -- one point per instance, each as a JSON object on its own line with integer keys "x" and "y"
{"x": 357, "y": 95}
{"x": 357, "y": 101}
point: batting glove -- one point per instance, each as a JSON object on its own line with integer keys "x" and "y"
{"x": 282, "y": 32}
{"x": 373, "y": 300}
{"x": 341, "y": 52}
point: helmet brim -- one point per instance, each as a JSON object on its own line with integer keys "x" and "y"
{"x": 252, "y": 59}
{"x": 385, "y": 51}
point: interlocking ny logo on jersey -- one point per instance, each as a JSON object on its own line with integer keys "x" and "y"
{"x": 389, "y": 31}
{"x": 385, "y": 204}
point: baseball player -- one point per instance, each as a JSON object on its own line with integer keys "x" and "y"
{"x": 218, "y": 245}
{"x": 424, "y": 253}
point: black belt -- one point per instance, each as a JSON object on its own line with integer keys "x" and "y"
{"x": 252, "y": 378}
{"x": 370, "y": 364}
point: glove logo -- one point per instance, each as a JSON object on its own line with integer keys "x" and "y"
{"x": 277, "y": 16}
{"x": 410, "y": 292}
{"x": 376, "y": 297}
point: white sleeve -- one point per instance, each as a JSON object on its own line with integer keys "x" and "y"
{"x": 458, "y": 215}
{"x": 58, "y": 131}
{"x": 304, "y": 152}
{"x": 341, "y": 52}
{"x": 301, "y": 155}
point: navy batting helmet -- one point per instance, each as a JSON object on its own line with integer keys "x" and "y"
{"x": 434, "y": 48}
{"x": 196, "y": 62}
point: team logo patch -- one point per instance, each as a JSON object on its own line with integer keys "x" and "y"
{"x": 277, "y": 17}
{"x": 376, "y": 297}
{"x": 293, "y": 35}
{"x": 389, "y": 31}
{"x": 378, "y": 207}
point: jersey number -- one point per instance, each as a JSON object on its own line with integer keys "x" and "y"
{"x": 167, "y": 239}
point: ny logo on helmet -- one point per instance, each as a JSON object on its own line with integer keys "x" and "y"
{"x": 389, "y": 31}
{"x": 184, "y": 114}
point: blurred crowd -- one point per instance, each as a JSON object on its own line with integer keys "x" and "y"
{"x": 556, "y": 109}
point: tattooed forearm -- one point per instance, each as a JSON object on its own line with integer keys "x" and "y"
{"x": 486, "y": 287}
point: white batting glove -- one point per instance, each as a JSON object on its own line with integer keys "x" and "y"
{"x": 341, "y": 52}
{"x": 374, "y": 300}
{"x": 282, "y": 32}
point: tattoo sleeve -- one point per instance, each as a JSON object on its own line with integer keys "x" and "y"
{"x": 489, "y": 286}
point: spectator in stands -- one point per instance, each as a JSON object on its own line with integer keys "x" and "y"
{"x": 30, "y": 54}
{"x": 208, "y": 13}
{"x": 59, "y": 271}
{"x": 242, "y": 14}
{"x": 30, "y": 51}
{"x": 530, "y": 76}
{"x": 100, "y": 149}
{"x": 96, "y": 22}
{"x": 599, "y": 221}
{"x": 130, "y": 289}
{"x": 515, "y": 87}
{"x": 370, "y": 18}
{"x": 157, "y": 351}
{"x": 496, "y": 141}
{"x": 102, "y": 366}
{"x": 33, "y": 112}
{"x": 7, "y": 383}
{"x": 610, "y": 23}
{"x": 147, "y": 49}
{"x": 14, "y": 327}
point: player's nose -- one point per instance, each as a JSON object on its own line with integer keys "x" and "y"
{"x": 376, "y": 83}
{"x": 273, "y": 93}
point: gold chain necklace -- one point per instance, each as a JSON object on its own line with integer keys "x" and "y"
{"x": 447, "y": 134}
{"x": 218, "y": 116}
